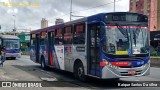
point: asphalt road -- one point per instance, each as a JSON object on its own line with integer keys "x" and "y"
{"x": 23, "y": 69}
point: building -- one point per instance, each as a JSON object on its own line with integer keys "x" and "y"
{"x": 44, "y": 23}
{"x": 24, "y": 41}
{"x": 151, "y": 8}
{"x": 59, "y": 21}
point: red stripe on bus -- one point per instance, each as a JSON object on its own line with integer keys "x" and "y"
{"x": 102, "y": 64}
{"x": 51, "y": 59}
{"x": 120, "y": 63}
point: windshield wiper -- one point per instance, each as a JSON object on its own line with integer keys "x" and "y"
{"x": 134, "y": 37}
{"x": 134, "y": 34}
{"x": 122, "y": 31}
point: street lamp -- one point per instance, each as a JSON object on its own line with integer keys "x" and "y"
{"x": 71, "y": 11}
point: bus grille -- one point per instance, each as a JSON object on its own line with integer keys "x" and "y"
{"x": 128, "y": 66}
{"x": 126, "y": 73}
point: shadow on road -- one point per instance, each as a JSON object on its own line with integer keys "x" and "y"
{"x": 66, "y": 79}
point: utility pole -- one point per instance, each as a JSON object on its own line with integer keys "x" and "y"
{"x": 14, "y": 29}
{"x": 114, "y": 5}
{"x": 71, "y": 11}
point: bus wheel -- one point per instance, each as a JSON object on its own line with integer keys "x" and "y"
{"x": 43, "y": 65}
{"x": 79, "y": 72}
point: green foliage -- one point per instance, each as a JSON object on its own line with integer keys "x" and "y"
{"x": 154, "y": 53}
{"x": 23, "y": 47}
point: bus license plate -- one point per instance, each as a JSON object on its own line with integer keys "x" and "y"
{"x": 131, "y": 72}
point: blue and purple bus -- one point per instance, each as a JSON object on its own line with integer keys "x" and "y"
{"x": 12, "y": 46}
{"x": 106, "y": 46}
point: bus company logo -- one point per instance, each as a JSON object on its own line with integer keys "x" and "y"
{"x": 60, "y": 51}
{"x": 80, "y": 49}
{"x": 6, "y": 84}
{"x": 138, "y": 63}
{"x": 7, "y": 3}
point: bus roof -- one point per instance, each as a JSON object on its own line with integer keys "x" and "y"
{"x": 89, "y": 19}
{"x": 9, "y": 37}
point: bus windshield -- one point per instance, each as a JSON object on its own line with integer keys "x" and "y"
{"x": 11, "y": 44}
{"x": 124, "y": 40}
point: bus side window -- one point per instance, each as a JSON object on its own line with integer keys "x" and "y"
{"x": 59, "y": 37}
{"x": 79, "y": 34}
{"x": 68, "y": 35}
{"x": 43, "y": 40}
{"x": 33, "y": 39}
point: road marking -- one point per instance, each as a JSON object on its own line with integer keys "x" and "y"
{"x": 48, "y": 79}
{"x": 46, "y": 73}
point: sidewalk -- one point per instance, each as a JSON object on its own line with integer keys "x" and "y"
{"x": 155, "y": 62}
{"x": 25, "y": 53}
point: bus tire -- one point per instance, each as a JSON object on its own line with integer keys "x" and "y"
{"x": 43, "y": 65}
{"x": 79, "y": 72}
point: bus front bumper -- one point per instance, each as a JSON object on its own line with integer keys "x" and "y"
{"x": 17, "y": 55}
{"x": 108, "y": 72}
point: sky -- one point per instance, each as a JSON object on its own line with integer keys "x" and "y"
{"x": 28, "y": 13}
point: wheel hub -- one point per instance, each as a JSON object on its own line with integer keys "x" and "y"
{"x": 80, "y": 72}
{"x": 42, "y": 64}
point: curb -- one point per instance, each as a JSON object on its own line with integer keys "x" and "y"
{"x": 25, "y": 53}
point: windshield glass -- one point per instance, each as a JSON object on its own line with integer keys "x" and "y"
{"x": 125, "y": 40}
{"x": 11, "y": 44}
{"x": 139, "y": 38}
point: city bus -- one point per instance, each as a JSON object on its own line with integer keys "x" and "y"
{"x": 105, "y": 46}
{"x": 12, "y": 46}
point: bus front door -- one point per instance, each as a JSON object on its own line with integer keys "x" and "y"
{"x": 37, "y": 48}
{"x": 50, "y": 48}
{"x": 93, "y": 52}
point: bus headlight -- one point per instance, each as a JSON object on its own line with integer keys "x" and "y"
{"x": 109, "y": 64}
{"x": 105, "y": 62}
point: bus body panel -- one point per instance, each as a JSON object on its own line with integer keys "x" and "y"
{"x": 59, "y": 61}
{"x": 78, "y": 53}
{"x": 13, "y": 53}
{"x": 12, "y": 45}
{"x": 64, "y": 56}
{"x": 33, "y": 53}
{"x": 43, "y": 53}
{"x": 108, "y": 72}
{"x": 54, "y": 58}
{"x": 68, "y": 57}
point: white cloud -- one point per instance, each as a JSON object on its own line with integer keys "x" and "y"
{"x": 6, "y": 1}
{"x": 30, "y": 17}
